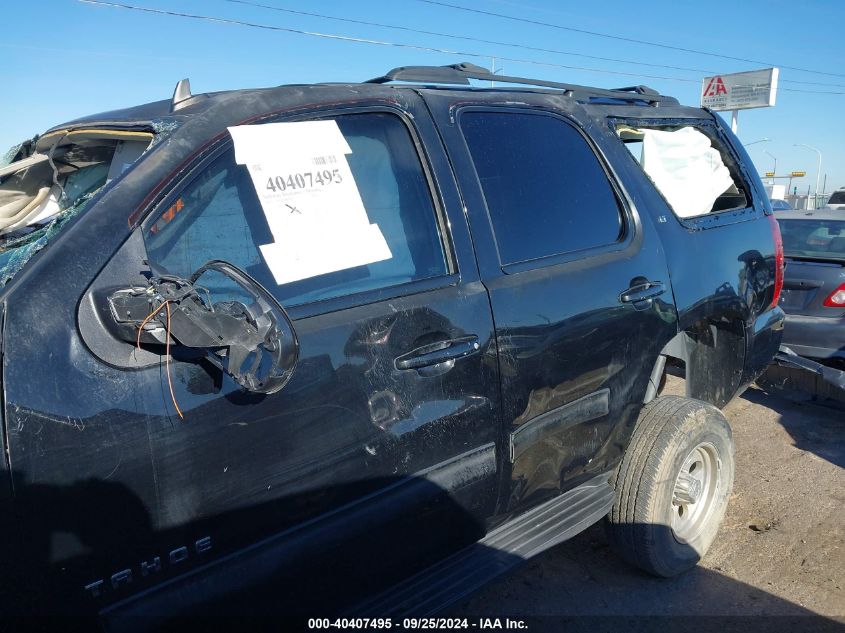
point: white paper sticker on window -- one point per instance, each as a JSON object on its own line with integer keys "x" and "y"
{"x": 309, "y": 197}
{"x": 686, "y": 169}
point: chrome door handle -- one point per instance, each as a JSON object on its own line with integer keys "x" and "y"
{"x": 643, "y": 292}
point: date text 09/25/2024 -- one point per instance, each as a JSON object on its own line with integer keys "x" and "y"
{"x": 409, "y": 624}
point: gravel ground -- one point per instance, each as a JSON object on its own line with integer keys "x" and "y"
{"x": 780, "y": 551}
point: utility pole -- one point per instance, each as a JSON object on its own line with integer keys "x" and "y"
{"x": 775, "y": 170}
{"x": 493, "y": 69}
{"x": 818, "y": 171}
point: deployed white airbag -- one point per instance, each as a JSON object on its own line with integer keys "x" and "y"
{"x": 46, "y": 208}
{"x": 686, "y": 169}
{"x": 22, "y": 193}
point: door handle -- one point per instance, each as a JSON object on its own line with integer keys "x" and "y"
{"x": 642, "y": 292}
{"x": 439, "y": 352}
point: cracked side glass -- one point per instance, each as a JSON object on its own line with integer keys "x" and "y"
{"x": 42, "y": 192}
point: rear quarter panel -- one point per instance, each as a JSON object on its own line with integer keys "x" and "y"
{"x": 722, "y": 268}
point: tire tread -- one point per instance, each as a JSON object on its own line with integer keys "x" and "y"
{"x": 659, "y": 425}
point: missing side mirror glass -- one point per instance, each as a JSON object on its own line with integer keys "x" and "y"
{"x": 220, "y": 309}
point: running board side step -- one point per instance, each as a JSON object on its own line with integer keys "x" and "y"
{"x": 509, "y": 545}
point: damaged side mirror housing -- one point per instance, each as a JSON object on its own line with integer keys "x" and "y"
{"x": 248, "y": 335}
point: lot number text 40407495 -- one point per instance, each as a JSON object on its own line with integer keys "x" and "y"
{"x": 305, "y": 180}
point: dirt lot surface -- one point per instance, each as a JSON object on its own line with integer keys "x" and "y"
{"x": 780, "y": 551}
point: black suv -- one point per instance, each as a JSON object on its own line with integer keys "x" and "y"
{"x": 358, "y": 348}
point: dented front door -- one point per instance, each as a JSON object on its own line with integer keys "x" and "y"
{"x": 386, "y": 433}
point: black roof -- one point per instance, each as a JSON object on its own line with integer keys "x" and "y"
{"x": 141, "y": 115}
{"x": 444, "y": 77}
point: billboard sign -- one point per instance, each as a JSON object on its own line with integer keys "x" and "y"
{"x": 740, "y": 91}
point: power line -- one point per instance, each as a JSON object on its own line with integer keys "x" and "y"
{"x": 360, "y": 40}
{"x": 813, "y": 92}
{"x": 468, "y": 38}
{"x": 623, "y": 39}
{"x": 458, "y": 37}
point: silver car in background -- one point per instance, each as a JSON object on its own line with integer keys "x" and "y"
{"x": 814, "y": 283}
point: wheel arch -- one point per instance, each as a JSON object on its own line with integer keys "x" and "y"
{"x": 712, "y": 355}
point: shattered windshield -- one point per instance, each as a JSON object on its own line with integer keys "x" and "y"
{"x": 10, "y": 154}
{"x": 43, "y": 190}
{"x": 17, "y": 250}
{"x": 17, "y": 151}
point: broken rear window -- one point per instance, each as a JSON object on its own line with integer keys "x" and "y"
{"x": 692, "y": 170}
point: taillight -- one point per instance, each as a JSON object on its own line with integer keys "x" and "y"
{"x": 779, "y": 263}
{"x": 836, "y": 299}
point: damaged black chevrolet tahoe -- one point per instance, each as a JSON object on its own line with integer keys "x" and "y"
{"x": 359, "y": 348}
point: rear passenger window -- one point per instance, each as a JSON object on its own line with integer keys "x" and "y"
{"x": 688, "y": 166}
{"x": 545, "y": 190}
{"x": 218, "y": 215}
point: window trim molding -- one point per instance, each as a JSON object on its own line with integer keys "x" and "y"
{"x": 630, "y": 234}
{"x": 341, "y": 302}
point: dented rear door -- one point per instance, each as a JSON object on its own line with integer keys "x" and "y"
{"x": 578, "y": 283}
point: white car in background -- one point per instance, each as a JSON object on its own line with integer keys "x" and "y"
{"x": 837, "y": 200}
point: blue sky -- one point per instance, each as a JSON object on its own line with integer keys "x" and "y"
{"x": 64, "y": 59}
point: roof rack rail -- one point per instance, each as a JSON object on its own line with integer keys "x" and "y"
{"x": 460, "y": 74}
{"x": 643, "y": 90}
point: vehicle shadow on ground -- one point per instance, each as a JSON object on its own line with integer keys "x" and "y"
{"x": 582, "y": 585}
{"x": 578, "y": 586}
{"x": 90, "y": 548}
{"x": 813, "y": 428}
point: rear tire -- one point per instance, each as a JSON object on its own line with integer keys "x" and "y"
{"x": 672, "y": 486}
